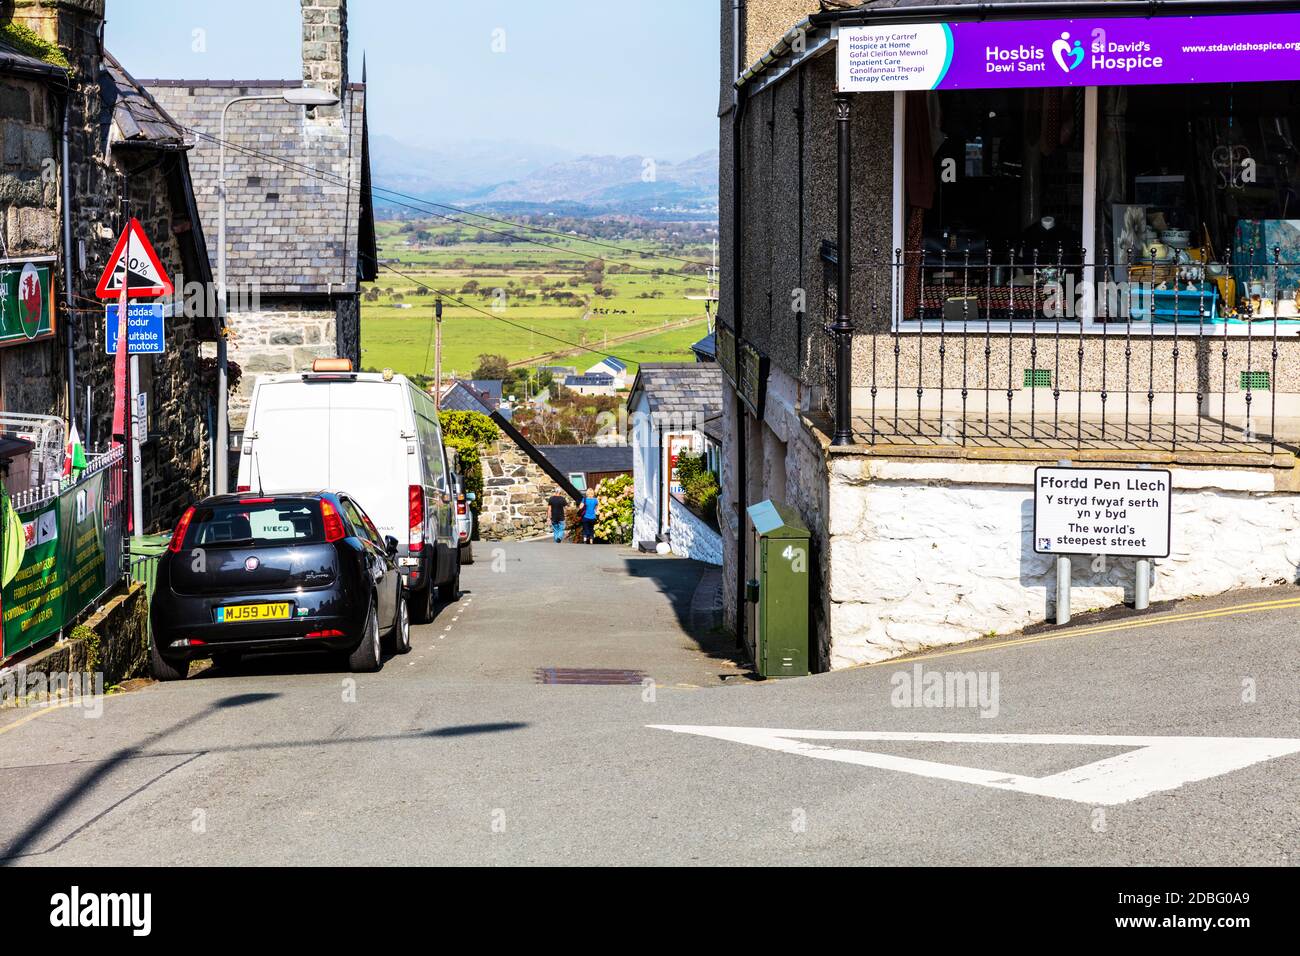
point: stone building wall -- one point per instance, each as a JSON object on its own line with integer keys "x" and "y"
{"x": 29, "y": 225}
{"x": 515, "y": 490}
{"x": 287, "y": 336}
{"x": 33, "y": 378}
{"x": 175, "y": 458}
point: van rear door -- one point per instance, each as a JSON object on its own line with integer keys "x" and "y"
{"x": 368, "y": 451}
{"x": 292, "y": 450}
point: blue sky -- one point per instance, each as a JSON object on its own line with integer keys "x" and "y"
{"x": 590, "y": 76}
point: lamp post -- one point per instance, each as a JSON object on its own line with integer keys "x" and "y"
{"x": 298, "y": 96}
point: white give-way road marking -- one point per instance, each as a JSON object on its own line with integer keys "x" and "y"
{"x": 1155, "y": 763}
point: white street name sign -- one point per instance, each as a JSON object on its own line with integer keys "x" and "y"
{"x": 1111, "y": 511}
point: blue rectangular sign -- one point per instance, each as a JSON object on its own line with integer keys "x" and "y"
{"x": 144, "y": 329}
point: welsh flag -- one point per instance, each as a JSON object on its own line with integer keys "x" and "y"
{"x": 74, "y": 456}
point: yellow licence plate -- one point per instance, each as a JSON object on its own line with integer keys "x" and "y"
{"x": 253, "y": 612}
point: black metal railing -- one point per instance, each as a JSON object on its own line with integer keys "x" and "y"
{"x": 1155, "y": 351}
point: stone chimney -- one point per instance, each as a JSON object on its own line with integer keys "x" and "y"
{"x": 325, "y": 48}
{"x": 72, "y": 25}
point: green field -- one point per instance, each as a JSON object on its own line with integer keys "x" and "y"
{"x": 509, "y": 308}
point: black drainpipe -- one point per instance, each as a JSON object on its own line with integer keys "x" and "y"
{"x": 803, "y": 283}
{"x": 737, "y": 313}
{"x": 843, "y": 328}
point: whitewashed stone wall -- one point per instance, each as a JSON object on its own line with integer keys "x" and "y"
{"x": 932, "y": 553}
{"x": 690, "y": 536}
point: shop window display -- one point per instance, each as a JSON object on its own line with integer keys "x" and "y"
{"x": 994, "y": 188}
{"x": 1197, "y": 200}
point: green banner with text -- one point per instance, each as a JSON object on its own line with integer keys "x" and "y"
{"x": 63, "y": 569}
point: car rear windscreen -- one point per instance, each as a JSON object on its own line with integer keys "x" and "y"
{"x": 256, "y": 522}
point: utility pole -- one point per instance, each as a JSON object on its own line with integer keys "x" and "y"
{"x": 437, "y": 353}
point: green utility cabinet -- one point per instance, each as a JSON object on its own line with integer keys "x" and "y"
{"x": 780, "y": 546}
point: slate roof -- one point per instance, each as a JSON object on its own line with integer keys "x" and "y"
{"x": 589, "y": 380}
{"x": 588, "y": 458}
{"x": 706, "y": 349}
{"x": 462, "y": 396}
{"x": 713, "y": 427}
{"x": 491, "y": 387}
{"x": 615, "y": 365}
{"x": 131, "y": 118}
{"x": 17, "y": 63}
{"x": 136, "y": 114}
{"x": 302, "y": 228}
{"x": 682, "y": 389}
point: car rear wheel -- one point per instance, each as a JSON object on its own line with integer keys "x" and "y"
{"x": 366, "y": 658}
{"x": 467, "y": 553}
{"x": 163, "y": 669}
{"x": 399, "y": 638}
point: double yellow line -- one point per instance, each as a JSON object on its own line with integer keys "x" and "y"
{"x": 1109, "y": 628}
{"x": 41, "y": 709}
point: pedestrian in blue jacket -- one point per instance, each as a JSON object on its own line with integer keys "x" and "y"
{"x": 589, "y": 517}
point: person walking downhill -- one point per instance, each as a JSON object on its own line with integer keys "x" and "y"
{"x": 589, "y": 504}
{"x": 557, "y": 503}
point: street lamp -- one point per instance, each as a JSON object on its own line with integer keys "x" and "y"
{"x": 298, "y": 96}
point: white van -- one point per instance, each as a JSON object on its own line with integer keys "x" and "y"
{"x": 374, "y": 437}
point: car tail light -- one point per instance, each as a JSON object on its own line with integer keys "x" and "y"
{"x": 178, "y": 536}
{"x": 255, "y": 501}
{"x": 460, "y": 505}
{"x": 189, "y": 642}
{"x": 333, "y": 522}
{"x": 416, "y": 511}
{"x": 328, "y": 632}
{"x": 240, "y": 489}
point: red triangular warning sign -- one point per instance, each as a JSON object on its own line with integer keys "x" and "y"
{"x": 134, "y": 263}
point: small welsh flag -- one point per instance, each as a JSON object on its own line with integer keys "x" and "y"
{"x": 74, "y": 456}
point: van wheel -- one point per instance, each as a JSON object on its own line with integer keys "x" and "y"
{"x": 451, "y": 590}
{"x": 163, "y": 669}
{"x": 420, "y": 605}
{"x": 467, "y": 553}
{"x": 366, "y": 659}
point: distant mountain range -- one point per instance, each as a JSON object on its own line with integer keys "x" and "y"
{"x": 519, "y": 178}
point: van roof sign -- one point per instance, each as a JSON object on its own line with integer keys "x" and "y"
{"x": 332, "y": 365}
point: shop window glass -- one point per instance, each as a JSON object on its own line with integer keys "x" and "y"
{"x": 1197, "y": 191}
{"x": 994, "y": 194}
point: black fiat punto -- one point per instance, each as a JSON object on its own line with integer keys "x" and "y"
{"x": 300, "y": 571}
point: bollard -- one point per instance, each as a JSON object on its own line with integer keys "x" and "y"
{"x": 1142, "y": 585}
{"x": 1063, "y": 590}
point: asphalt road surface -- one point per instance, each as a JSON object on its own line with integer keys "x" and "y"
{"x": 461, "y": 752}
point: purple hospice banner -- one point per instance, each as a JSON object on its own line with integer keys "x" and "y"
{"x": 1118, "y": 51}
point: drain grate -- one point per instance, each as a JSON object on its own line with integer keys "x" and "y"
{"x": 587, "y": 675}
